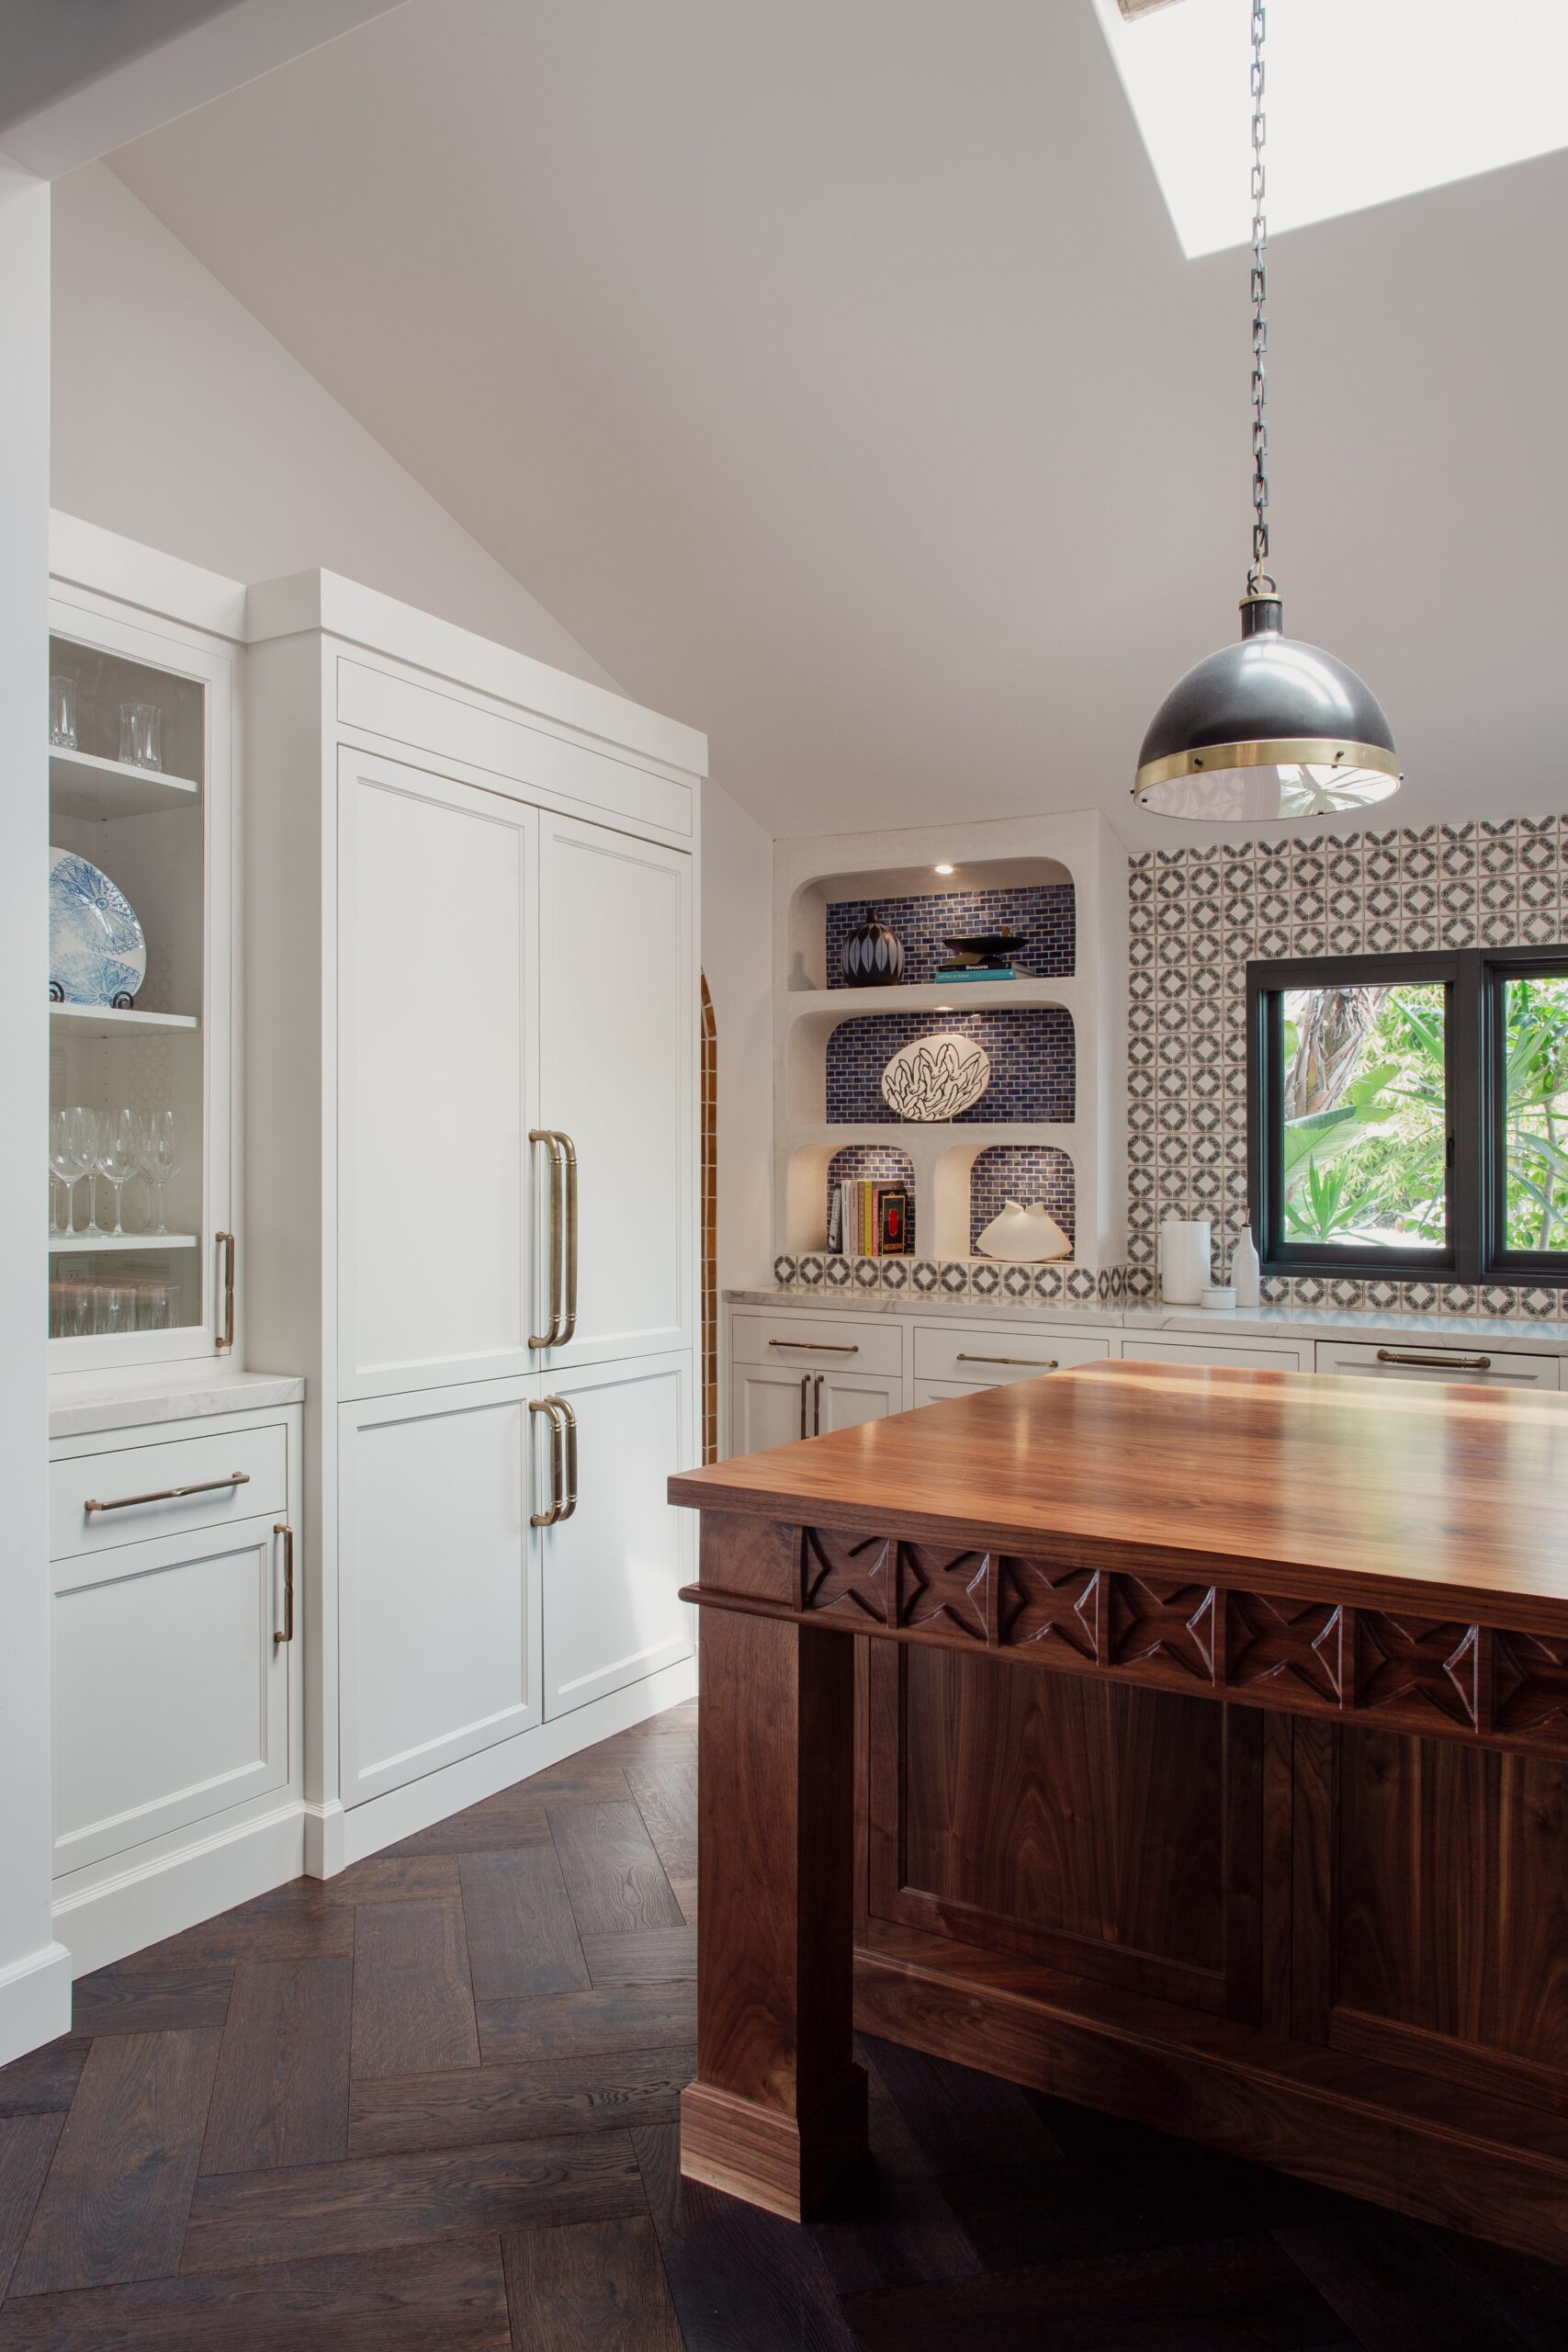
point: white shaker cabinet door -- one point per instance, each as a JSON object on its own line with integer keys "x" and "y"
{"x": 439, "y": 1607}
{"x": 618, "y": 1053}
{"x": 843, "y": 1399}
{"x": 437, "y": 894}
{"x": 613, "y": 1571}
{"x": 769, "y": 1405}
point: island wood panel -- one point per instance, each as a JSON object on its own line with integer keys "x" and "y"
{"x": 1110, "y": 1831}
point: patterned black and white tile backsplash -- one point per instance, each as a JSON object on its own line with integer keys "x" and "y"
{"x": 1030, "y": 1049}
{"x": 1196, "y": 916}
{"x": 1044, "y": 915}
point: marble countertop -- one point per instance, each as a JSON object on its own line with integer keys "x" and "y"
{"x": 83, "y": 1404}
{"x": 1468, "y": 1331}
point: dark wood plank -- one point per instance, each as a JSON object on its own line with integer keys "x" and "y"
{"x": 281, "y": 2093}
{"x": 299, "y": 1921}
{"x": 651, "y": 1956}
{"x": 621, "y": 2017}
{"x": 666, "y": 1795}
{"x": 546, "y": 2101}
{"x": 27, "y": 2149}
{"x": 522, "y": 1935}
{"x": 413, "y": 2005}
{"x": 447, "y": 2297}
{"x": 475, "y": 1832}
{"x": 45, "y": 2080}
{"x": 241, "y": 2217}
{"x": 591, "y": 1777}
{"x": 962, "y": 2120}
{"x": 115, "y": 2204}
{"x": 738, "y": 2276}
{"x": 895, "y": 2226}
{"x": 614, "y": 1879}
{"x": 391, "y": 1878}
{"x": 1230, "y": 2295}
{"x": 590, "y": 2286}
{"x": 150, "y": 2001}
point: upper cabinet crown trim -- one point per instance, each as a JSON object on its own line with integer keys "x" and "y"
{"x": 343, "y": 608}
{"x": 83, "y": 554}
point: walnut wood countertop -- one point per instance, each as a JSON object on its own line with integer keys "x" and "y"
{"x": 1441, "y": 1498}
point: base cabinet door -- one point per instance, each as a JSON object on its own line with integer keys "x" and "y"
{"x": 439, "y": 1594}
{"x": 170, "y": 1695}
{"x": 613, "y": 1568}
{"x": 842, "y": 1399}
{"x": 769, "y": 1405}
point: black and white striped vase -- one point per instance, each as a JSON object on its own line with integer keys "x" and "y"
{"x": 873, "y": 957}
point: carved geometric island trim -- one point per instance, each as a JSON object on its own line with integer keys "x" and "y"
{"x": 1300, "y": 1656}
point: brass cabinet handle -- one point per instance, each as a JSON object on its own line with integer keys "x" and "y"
{"x": 1440, "y": 1363}
{"x": 171, "y": 1494}
{"x": 817, "y": 1380}
{"x": 288, "y": 1534}
{"x": 552, "y": 1141}
{"x": 569, "y": 1504}
{"x": 226, "y": 1336}
{"x": 569, "y": 1319}
{"x": 805, "y": 1393}
{"x": 1047, "y": 1364}
{"x": 821, "y": 1347}
{"x": 558, "y": 1462}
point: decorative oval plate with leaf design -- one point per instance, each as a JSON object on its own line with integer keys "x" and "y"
{"x": 936, "y": 1077}
{"x": 97, "y": 953}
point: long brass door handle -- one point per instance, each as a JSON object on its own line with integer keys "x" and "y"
{"x": 1435, "y": 1362}
{"x": 805, "y": 1404}
{"x": 287, "y": 1633}
{"x": 570, "y": 1504}
{"x": 549, "y": 1337}
{"x": 548, "y": 1517}
{"x": 568, "y": 1316}
{"x": 225, "y": 1340}
{"x": 817, "y": 1380}
{"x": 170, "y": 1493}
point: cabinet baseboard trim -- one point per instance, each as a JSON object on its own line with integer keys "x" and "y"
{"x": 35, "y": 2000}
{"x": 381, "y": 1821}
{"x": 154, "y": 1899}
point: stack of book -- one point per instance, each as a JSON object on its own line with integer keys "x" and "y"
{"x": 980, "y": 959}
{"x": 868, "y": 1220}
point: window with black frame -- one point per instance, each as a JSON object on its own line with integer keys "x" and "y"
{"x": 1408, "y": 1114}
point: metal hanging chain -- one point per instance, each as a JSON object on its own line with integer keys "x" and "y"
{"x": 1258, "y": 580}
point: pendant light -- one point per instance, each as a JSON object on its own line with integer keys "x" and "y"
{"x": 1271, "y": 727}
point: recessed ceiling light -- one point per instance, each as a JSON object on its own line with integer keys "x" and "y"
{"x": 945, "y": 869}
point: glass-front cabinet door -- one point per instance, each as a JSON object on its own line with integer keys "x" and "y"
{"x": 141, "y": 1237}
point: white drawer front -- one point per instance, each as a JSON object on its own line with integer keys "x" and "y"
{"x": 1486, "y": 1367}
{"x": 816, "y": 1342}
{"x": 985, "y": 1359}
{"x": 256, "y": 1461}
{"x": 1266, "y": 1359}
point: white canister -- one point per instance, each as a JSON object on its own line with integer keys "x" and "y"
{"x": 1184, "y": 1246}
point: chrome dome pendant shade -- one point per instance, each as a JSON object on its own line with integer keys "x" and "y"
{"x": 1271, "y": 727}
{"x": 1267, "y": 728}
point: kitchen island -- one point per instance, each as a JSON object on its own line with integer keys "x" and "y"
{"x": 1190, "y": 1742}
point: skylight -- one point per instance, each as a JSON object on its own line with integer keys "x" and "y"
{"x": 1367, "y": 100}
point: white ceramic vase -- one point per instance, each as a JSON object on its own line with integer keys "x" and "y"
{"x": 1184, "y": 1244}
{"x": 1024, "y": 1234}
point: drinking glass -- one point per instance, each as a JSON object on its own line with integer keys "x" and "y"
{"x": 141, "y": 734}
{"x": 92, "y": 1123}
{"x": 76, "y": 1148}
{"x": 64, "y": 1166}
{"x": 158, "y": 1153}
{"x": 118, "y": 1157}
{"x": 62, "y": 712}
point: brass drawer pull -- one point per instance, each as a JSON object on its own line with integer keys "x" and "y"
{"x": 171, "y": 1494}
{"x": 287, "y": 1633}
{"x": 821, "y": 1347}
{"x": 1049, "y": 1363}
{"x": 1439, "y": 1363}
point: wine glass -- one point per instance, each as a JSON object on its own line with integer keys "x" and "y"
{"x": 117, "y": 1156}
{"x": 65, "y": 1164}
{"x": 92, "y": 1124}
{"x": 158, "y": 1153}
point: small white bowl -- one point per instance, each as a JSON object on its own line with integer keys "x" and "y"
{"x": 1218, "y": 1294}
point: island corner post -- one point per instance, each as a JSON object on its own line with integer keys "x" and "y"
{"x": 1212, "y": 1742}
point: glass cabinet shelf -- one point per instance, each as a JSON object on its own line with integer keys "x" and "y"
{"x": 103, "y": 1021}
{"x": 63, "y": 1245}
{"x": 82, "y": 784}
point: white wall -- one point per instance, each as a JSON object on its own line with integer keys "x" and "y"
{"x": 35, "y": 1987}
{"x": 737, "y": 919}
{"x": 180, "y": 421}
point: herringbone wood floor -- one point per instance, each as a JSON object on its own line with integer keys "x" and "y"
{"x": 432, "y": 2104}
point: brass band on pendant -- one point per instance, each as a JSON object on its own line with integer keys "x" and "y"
{"x": 1212, "y": 758}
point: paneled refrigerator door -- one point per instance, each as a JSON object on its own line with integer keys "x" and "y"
{"x": 616, "y": 1557}
{"x": 436, "y": 892}
{"x": 617, "y": 1063}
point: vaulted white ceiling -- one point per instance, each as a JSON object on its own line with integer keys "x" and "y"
{"x": 830, "y": 369}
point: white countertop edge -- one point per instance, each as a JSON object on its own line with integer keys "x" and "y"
{"x": 1522, "y": 1332}
{"x": 85, "y": 1404}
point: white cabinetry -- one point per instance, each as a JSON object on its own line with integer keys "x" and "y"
{"x": 795, "y": 1375}
{"x": 1411, "y": 1359}
{"x": 987, "y": 1356}
{"x": 1260, "y": 1358}
{"x": 473, "y": 1178}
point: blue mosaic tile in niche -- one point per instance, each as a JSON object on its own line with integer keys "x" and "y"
{"x": 1009, "y": 1171}
{"x": 1030, "y": 1048}
{"x": 1044, "y": 914}
{"x": 872, "y": 1163}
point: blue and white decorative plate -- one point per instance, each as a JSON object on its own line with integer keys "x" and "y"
{"x": 97, "y": 953}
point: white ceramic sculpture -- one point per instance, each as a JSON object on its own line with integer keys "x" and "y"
{"x": 936, "y": 1077}
{"x": 1024, "y": 1233}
